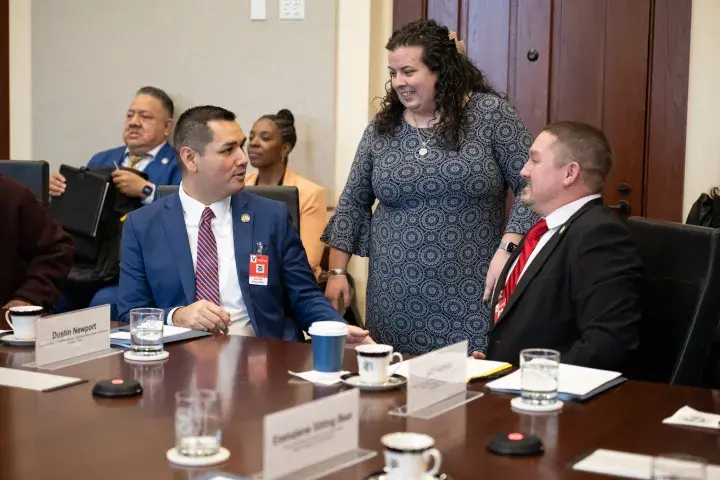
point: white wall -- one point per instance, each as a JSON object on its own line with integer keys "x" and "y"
{"x": 363, "y": 28}
{"x": 702, "y": 153}
{"x": 20, "y": 80}
{"x": 88, "y": 57}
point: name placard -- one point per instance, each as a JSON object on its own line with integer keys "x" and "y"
{"x": 308, "y": 434}
{"x": 436, "y": 376}
{"x": 70, "y": 335}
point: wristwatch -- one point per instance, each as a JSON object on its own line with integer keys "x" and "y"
{"x": 147, "y": 190}
{"x": 337, "y": 271}
{"x": 507, "y": 246}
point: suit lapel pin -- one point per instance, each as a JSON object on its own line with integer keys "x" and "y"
{"x": 245, "y": 218}
{"x": 562, "y": 230}
{"x": 164, "y": 161}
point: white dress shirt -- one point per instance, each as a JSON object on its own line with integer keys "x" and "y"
{"x": 231, "y": 298}
{"x": 142, "y": 165}
{"x": 554, "y": 221}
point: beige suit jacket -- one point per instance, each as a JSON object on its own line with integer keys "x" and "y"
{"x": 313, "y": 214}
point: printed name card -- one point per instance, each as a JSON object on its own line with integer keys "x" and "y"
{"x": 437, "y": 376}
{"x": 70, "y": 335}
{"x": 309, "y": 434}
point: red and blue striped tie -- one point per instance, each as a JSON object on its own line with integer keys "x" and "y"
{"x": 207, "y": 283}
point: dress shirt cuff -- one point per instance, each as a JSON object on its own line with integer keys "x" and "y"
{"x": 170, "y": 316}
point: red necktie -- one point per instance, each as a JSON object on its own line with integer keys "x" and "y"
{"x": 207, "y": 283}
{"x": 531, "y": 240}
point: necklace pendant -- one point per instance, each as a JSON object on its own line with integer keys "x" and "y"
{"x": 423, "y": 151}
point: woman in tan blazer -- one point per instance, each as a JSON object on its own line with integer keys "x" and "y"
{"x": 271, "y": 140}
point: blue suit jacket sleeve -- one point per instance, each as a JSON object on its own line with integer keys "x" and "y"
{"x": 97, "y": 160}
{"x": 134, "y": 288}
{"x": 305, "y": 297}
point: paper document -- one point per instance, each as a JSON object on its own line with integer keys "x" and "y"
{"x": 574, "y": 380}
{"x": 320, "y": 378}
{"x": 122, "y": 339}
{"x": 475, "y": 368}
{"x": 42, "y": 382}
{"x": 627, "y": 465}
{"x": 694, "y": 418}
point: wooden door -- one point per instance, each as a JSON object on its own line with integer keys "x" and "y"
{"x": 599, "y": 75}
{"x": 4, "y": 79}
{"x": 604, "y": 62}
{"x": 583, "y": 60}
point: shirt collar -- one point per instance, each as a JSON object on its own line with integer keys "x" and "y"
{"x": 194, "y": 209}
{"x": 563, "y": 214}
{"x": 152, "y": 153}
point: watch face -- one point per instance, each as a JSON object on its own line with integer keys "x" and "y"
{"x": 511, "y": 247}
{"x": 147, "y": 190}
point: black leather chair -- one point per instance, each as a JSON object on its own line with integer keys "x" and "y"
{"x": 34, "y": 174}
{"x": 681, "y": 300}
{"x": 288, "y": 195}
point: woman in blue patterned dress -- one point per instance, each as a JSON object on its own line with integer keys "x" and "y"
{"x": 438, "y": 157}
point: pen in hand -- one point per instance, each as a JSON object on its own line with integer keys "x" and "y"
{"x": 116, "y": 165}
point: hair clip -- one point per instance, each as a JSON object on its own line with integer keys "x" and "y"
{"x": 459, "y": 44}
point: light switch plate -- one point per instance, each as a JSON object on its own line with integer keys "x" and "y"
{"x": 292, "y": 9}
{"x": 258, "y": 10}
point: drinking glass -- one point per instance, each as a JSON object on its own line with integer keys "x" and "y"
{"x": 539, "y": 368}
{"x": 146, "y": 331}
{"x": 198, "y": 429}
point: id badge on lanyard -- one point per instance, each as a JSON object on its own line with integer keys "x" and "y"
{"x": 259, "y": 267}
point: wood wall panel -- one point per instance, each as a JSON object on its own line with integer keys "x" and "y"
{"x": 406, "y": 11}
{"x": 667, "y": 120}
{"x": 487, "y": 39}
{"x": 530, "y": 81}
{"x": 627, "y": 31}
{"x": 578, "y": 61}
{"x": 445, "y": 12}
{"x": 4, "y": 79}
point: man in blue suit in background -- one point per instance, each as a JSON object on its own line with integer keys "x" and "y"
{"x": 214, "y": 257}
{"x": 148, "y": 123}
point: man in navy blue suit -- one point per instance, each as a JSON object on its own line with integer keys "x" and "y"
{"x": 147, "y": 126}
{"x": 214, "y": 257}
{"x": 148, "y": 123}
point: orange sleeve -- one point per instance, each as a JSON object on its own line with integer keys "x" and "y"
{"x": 313, "y": 218}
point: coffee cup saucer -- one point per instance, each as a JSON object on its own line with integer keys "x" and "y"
{"x": 382, "y": 475}
{"x": 11, "y": 339}
{"x": 354, "y": 380}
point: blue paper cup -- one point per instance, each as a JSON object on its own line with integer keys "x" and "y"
{"x": 328, "y": 344}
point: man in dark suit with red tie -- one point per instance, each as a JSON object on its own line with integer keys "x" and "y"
{"x": 573, "y": 284}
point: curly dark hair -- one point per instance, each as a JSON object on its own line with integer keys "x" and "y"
{"x": 456, "y": 73}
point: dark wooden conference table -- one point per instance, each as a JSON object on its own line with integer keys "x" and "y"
{"x": 70, "y": 434}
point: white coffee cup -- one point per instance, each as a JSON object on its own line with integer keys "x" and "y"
{"x": 374, "y": 362}
{"x": 407, "y": 455}
{"x": 23, "y": 321}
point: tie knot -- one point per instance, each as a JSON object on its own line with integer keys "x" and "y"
{"x": 207, "y": 215}
{"x": 539, "y": 229}
{"x": 134, "y": 160}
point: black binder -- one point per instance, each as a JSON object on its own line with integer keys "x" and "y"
{"x": 78, "y": 209}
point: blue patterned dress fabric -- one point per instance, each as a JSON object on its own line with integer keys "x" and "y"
{"x": 437, "y": 224}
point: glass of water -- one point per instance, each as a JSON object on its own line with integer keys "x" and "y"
{"x": 539, "y": 369}
{"x": 678, "y": 467}
{"x": 198, "y": 429}
{"x": 146, "y": 330}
